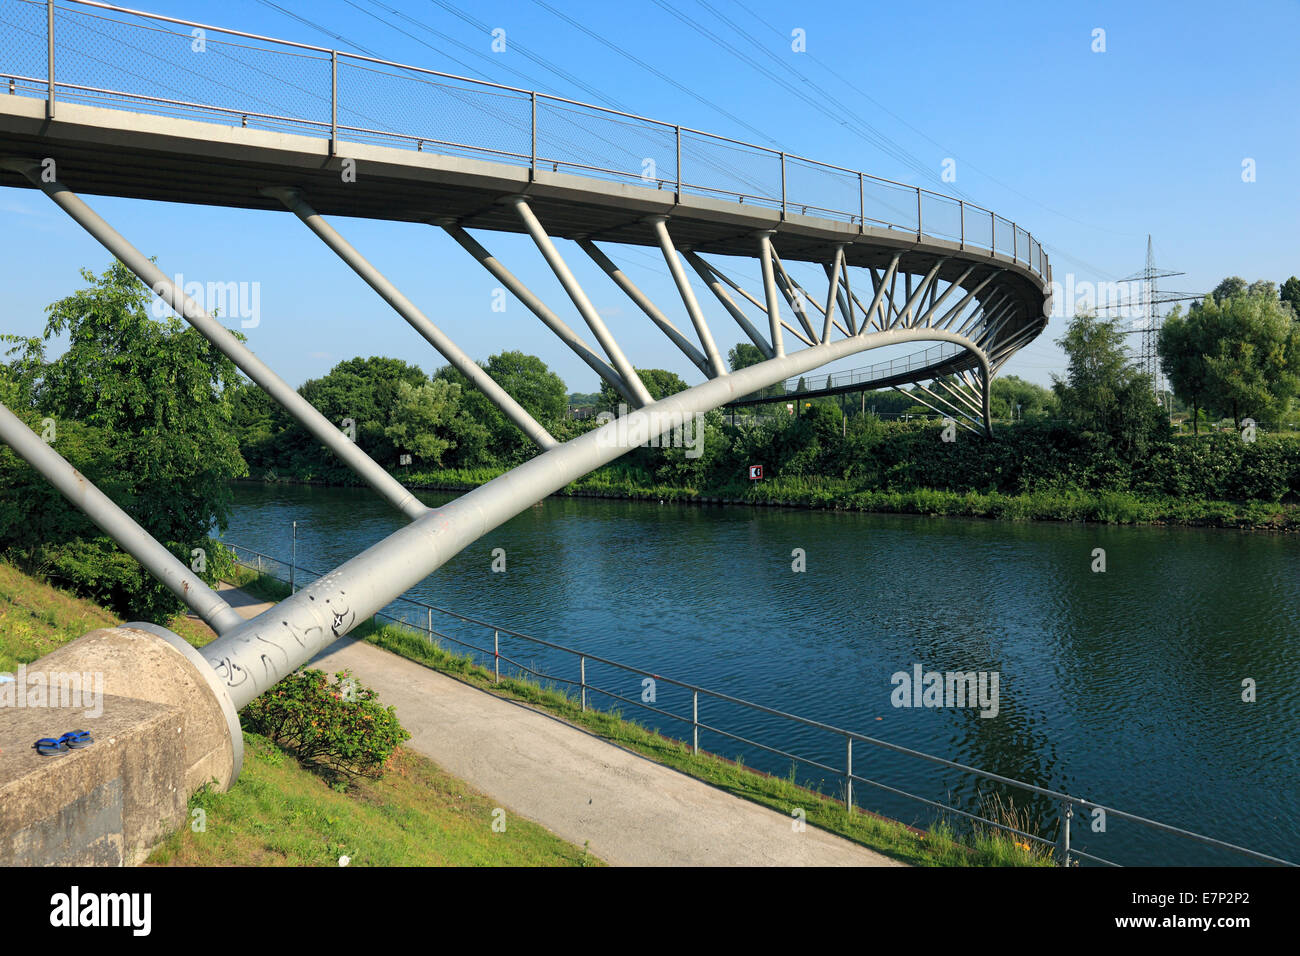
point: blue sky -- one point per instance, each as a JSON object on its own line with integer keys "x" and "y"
{"x": 1090, "y": 151}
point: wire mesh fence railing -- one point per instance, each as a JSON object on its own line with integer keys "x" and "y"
{"x": 699, "y": 711}
{"x": 99, "y": 54}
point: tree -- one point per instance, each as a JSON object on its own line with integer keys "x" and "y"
{"x": 1251, "y": 349}
{"x": 1013, "y": 397}
{"x": 139, "y": 406}
{"x": 1182, "y": 346}
{"x": 1229, "y": 288}
{"x": 660, "y": 383}
{"x": 419, "y": 420}
{"x": 1290, "y": 294}
{"x": 743, "y": 355}
{"x": 481, "y": 433}
{"x": 360, "y": 392}
{"x": 1102, "y": 393}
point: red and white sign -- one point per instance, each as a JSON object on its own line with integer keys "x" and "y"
{"x": 755, "y": 472}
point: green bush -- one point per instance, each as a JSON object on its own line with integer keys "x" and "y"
{"x": 336, "y": 726}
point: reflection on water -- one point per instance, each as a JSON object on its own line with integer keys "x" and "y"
{"x": 1123, "y": 687}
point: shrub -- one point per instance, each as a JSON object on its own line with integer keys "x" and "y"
{"x": 337, "y": 726}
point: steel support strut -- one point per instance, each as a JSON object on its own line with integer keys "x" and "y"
{"x": 449, "y": 350}
{"x": 118, "y": 525}
{"x": 320, "y": 427}
{"x": 660, "y": 224}
{"x": 585, "y": 308}
{"x": 274, "y": 644}
{"x": 536, "y": 306}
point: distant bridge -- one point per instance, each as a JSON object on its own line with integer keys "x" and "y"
{"x": 101, "y": 100}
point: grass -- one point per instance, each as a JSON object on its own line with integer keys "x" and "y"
{"x": 279, "y": 813}
{"x": 36, "y": 618}
{"x": 936, "y": 847}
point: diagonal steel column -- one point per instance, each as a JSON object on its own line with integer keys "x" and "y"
{"x": 320, "y": 427}
{"x": 660, "y": 225}
{"x": 950, "y": 316}
{"x": 831, "y": 296}
{"x": 536, "y": 306}
{"x": 787, "y": 287}
{"x": 118, "y": 525}
{"x": 579, "y": 297}
{"x": 872, "y": 315}
{"x": 765, "y": 253}
{"x": 644, "y": 304}
{"x": 404, "y": 307}
{"x": 277, "y": 642}
{"x": 905, "y": 313}
{"x": 715, "y": 281}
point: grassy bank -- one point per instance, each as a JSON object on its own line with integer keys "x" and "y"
{"x": 1104, "y": 507}
{"x": 279, "y": 813}
{"x": 936, "y": 847}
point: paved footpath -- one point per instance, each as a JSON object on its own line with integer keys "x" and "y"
{"x": 629, "y": 810}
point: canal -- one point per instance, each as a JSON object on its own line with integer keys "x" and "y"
{"x": 1124, "y": 686}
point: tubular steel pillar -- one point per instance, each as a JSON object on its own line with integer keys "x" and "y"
{"x": 118, "y": 525}
{"x": 536, "y": 306}
{"x": 587, "y": 310}
{"x": 715, "y": 280}
{"x": 417, "y": 319}
{"x": 255, "y": 656}
{"x": 765, "y": 253}
{"x": 660, "y": 224}
{"x": 297, "y": 406}
{"x": 644, "y": 304}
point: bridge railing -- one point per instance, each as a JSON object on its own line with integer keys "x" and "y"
{"x": 509, "y": 648}
{"x": 97, "y": 53}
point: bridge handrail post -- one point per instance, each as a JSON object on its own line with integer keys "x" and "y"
{"x": 582, "y": 680}
{"x": 334, "y": 101}
{"x": 918, "y": 213}
{"x": 1063, "y": 836}
{"x": 783, "y": 209}
{"x": 49, "y": 42}
{"x": 848, "y": 773}
{"x": 695, "y": 722}
{"x": 961, "y": 205}
{"x": 496, "y": 654}
{"x": 677, "y": 198}
{"x": 1015, "y": 244}
{"x": 862, "y": 204}
{"x": 532, "y": 163}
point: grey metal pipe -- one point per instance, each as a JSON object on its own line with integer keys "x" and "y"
{"x": 118, "y": 525}
{"x": 274, "y": 644}
{"x": 404, "y": 307}
{"x": 579, "y": 297}
{"x": 303, "y": 411}
{"x": 834, "y": 277}
{"x": 715, "y": 281}
{"x": 765, "y": 253}
{"x": 660, "y": 224}
{"x": 644, "y": 304}
{"x": 536, "y": 306}
{"x": 871, "y": 315}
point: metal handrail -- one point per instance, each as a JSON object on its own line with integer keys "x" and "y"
{"x": 1032, "y": 257}
{"x": 1064, "y": 801}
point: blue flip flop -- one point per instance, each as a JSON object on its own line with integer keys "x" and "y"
{"x": 49, "y": 747}
{"x": 77, "y": 739}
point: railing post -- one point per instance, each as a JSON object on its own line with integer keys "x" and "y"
{"x": 1015, "y": 244}
{"x": 259, "y": 565}
{"x": 496, "y": 654}
{"x": 429, "y": 611}
{"x": 918, "y": 213}
{"x": 993, "y": 232}
{"x": 783, "y": 209}
{"x": 677, "y": 198}
{"x": 695, "y": 722}
{"x": 49, "y": 43}
{"x": 293, "y": 565}
{"x": 334, "y": 101}
{"x": 962, "y": 206}
{"x": 582, "y": 680}
{"x": 1063, "y": 837}
{"x": 532, "y": 163}
{"x": 848, "y": 772}
{"x": 862, "y": 204}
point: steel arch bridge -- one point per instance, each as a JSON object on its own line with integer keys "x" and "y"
{"x": 98, "y": 99}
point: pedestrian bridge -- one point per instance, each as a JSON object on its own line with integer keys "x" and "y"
{"x": 101, "y": 100}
